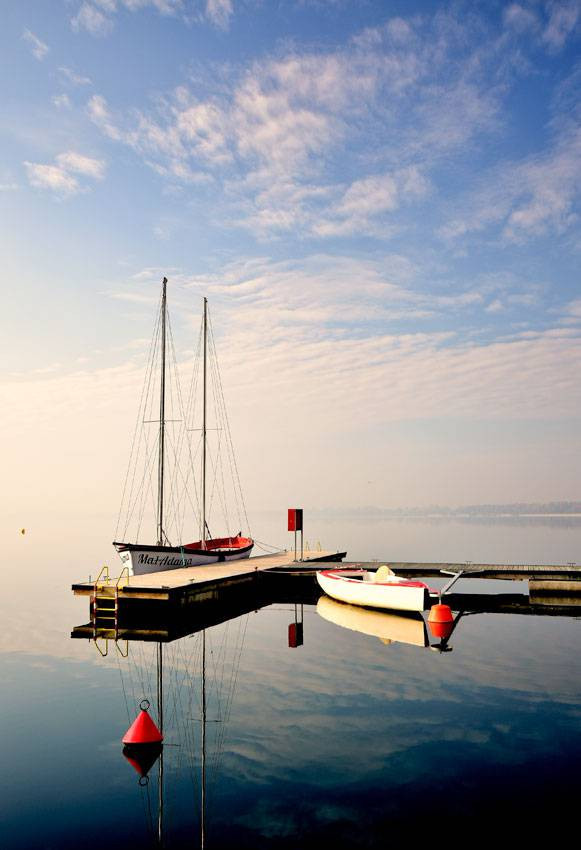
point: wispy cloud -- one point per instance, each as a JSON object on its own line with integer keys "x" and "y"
{"x": 38, "y": 48}
{"x": 271, "y": 135}
{"x": 563, "y": 19}
{"x": 97, "y": 17}
{"x": 365, "y": 201}
{"x": 62, "y": 101}
{"x": 72, "y": 77}
{"x": 526, "y": 198}
{"x": 61, "y": 177}
{"x": 92, "y": 19}
{"x": 219, "y": 12}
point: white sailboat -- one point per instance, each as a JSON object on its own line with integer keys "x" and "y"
{"x": 163, "y": 554}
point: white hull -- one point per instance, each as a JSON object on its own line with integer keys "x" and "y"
{"x": 357, "y": 587}
{"x": 143, "y": 561}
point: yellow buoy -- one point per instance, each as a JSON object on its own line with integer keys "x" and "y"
{"x": 23, "y": 531}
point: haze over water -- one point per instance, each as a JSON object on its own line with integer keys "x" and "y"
{"x": 345, "y": 739}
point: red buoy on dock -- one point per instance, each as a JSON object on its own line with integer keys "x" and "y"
{"x": 143, "y": 730}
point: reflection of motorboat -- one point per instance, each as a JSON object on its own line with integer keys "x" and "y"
{"x": 381, "y": 589}
{"x": 389, "y": 628}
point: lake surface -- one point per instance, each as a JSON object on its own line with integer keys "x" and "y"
{"x": 354, "y": 739}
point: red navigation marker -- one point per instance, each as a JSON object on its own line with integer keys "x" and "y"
{"x": 143, "y": 730}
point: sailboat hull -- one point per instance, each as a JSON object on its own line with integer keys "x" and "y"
{"x": 144, "y": 559}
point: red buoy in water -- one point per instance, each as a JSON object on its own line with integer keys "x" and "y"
{"x": 440, "y": 614}
{"x": 143, "y": 730}
{"x": 441, "y": 630}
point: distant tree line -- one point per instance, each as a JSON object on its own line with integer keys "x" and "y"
{"x": 511, "y": 509}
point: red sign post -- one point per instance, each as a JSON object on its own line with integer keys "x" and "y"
{"x": 295, "y": 523}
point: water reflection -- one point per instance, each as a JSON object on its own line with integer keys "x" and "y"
{"x": 345, "y": 731}
{"x": 388, "y": 627}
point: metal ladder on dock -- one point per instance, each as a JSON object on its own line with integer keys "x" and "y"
{"x": 105, "y": 603}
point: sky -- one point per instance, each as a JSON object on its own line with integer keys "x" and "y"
{"x": 380, "y": 201}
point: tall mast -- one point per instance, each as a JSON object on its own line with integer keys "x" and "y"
{"x": 203, "y": 800}
{"x": 160, "y": 470}
{"x": 205, "y": 329}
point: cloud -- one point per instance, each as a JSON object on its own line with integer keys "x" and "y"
{"x": 520, "y": 18}
{"x": 99, "y": 113}
{"x": 495, "y": 306}
{"x": 270, "y": 135}
{"x": 563, "y": 18}
{"x": 60, "y": 177}
{"x": 74, "y": 78}
{"x": 98, "y": 16}
{"x": 71, "y": 161}
{"x": 92, "y": 20}
{"x": 51, "y": 177}
{"x": 527, "y": 198}
{"x": 342, "y": 336}
{"x": 341, "y": 142}
{"x": 368, "y": 199}
{"x": 572, "y": 314}
{"x": 219, "y": 12}
{"x": 62, "y": 101}
{"x": 37, "y": 47}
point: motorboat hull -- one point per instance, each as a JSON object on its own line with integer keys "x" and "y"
{"x": 357, "y": 587}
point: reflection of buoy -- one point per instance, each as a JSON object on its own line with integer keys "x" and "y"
{"x": 440, "y": 614}
{"x": 441, "y": 630}
{"x": 142, "y": 756}
{"x": 143, "y": 730}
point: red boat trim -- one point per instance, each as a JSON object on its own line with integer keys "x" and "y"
{"x": 403, "y": 583}
{"x": 240, "y": 545}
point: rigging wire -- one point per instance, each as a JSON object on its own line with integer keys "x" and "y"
{"x": 142, "y": 404}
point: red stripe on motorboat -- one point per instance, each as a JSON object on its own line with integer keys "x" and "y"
{"x": 403, "y": 583}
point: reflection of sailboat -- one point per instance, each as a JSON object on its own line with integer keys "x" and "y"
{"x": 389, "y": 628}
{"x": 146, "y": 558}
{"x": 195, "y": 680}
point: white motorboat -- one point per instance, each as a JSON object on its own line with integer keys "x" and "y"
{"x": 380, "y": 589}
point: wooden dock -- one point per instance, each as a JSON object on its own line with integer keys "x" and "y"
{"x": 169, "y": 585}
{"x": 192, "y": 581}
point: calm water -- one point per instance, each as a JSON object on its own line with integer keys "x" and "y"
{"x": 350, "y": 739}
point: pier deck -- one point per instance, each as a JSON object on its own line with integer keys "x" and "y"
{"x": 171, "y": 583}
{"x": 190, "y": 581}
